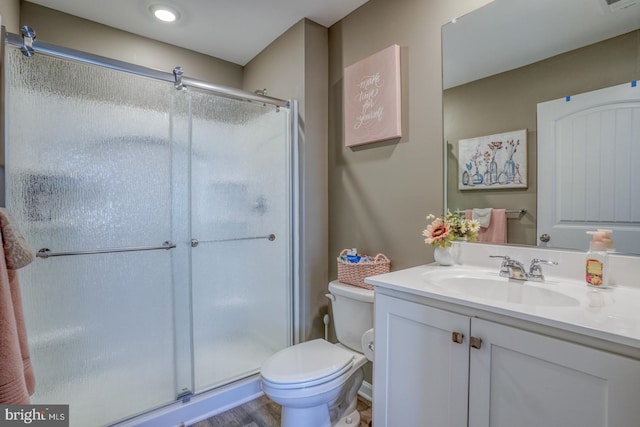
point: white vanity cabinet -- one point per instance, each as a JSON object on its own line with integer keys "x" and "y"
{"x": 421, "y": 377}
{"x": 428, "y": 371}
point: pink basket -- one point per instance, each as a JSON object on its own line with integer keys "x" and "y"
{"x": 354, "y": 273}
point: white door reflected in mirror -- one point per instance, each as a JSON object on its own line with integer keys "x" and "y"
{"x": 588, "y": 167}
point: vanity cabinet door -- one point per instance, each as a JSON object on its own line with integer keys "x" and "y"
{"x": 420, "y": 371}
{"x": 518, "y": 378}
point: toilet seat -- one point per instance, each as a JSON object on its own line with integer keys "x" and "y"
{"x": 306, "y": 364}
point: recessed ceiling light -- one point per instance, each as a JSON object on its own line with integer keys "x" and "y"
{"x": 164, "y": 13}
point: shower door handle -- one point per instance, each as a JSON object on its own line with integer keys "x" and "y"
{"x": 45, "y": 253}
{"x": 269, "y": 237}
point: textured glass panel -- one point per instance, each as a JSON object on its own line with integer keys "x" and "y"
{"x": 100, "y": 159}
{"x": 89, "y": 165}
{"x": 240, "y": 189}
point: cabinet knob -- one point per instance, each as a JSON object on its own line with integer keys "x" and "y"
{"x": 457, "y": 337}
{"x": 475, "y": 342}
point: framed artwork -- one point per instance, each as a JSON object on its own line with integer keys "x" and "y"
{"x": 493, "y": 162}
{"x": 372, "y": 98}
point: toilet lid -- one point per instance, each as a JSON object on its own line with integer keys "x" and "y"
{"x": 309, "y": 361}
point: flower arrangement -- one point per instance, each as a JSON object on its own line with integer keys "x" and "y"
{"x": 442, "y": 231}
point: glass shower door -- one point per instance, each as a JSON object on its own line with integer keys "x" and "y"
{"x": 241, "y": 226}
{"x": 91, "y": 166}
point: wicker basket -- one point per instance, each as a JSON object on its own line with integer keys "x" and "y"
{"x": 354, "y": 273}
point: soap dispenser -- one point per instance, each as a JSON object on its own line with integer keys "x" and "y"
{"x": 596, "y": 262}
{"x": 608, "y": 241}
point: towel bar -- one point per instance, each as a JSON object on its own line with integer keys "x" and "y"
{"x": 45, "y": 253}
{"x": 509, "y": 211}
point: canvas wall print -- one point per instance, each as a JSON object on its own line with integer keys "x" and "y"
{"x": 493, "y": 161}
{"x": 372, "y": 98}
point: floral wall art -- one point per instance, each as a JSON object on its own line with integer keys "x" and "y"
{"x": 493, "y": 161}
{"x": 372, "y": 98}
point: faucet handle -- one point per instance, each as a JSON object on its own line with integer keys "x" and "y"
{"x": 504, "y": 268}
{"x": 535, "y": 269}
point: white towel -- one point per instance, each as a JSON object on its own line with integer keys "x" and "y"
{"x": 483, "y": 216}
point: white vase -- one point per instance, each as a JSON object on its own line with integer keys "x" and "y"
{"x": 443, "y": 256}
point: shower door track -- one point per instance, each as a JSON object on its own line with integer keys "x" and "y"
{"x": 170, "y": 77}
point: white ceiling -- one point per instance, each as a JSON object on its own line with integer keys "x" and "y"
{"x": 507, "y": 34}
{"x": 233, "y": 30}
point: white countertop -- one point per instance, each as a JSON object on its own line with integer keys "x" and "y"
{"x": 611, "y": 314}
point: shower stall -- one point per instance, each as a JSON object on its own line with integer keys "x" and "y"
{"x": 163, "y": 213}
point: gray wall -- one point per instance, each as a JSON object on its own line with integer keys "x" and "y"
{"x": 296, "y": 66}
{"x": 10, "y": 12}
{"x": 508, "y": 101}
{"x": 380, "y": 193}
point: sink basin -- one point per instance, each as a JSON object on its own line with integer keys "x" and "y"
{"x": 492, "y": 287}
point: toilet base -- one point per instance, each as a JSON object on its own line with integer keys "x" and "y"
{"x": 296, "y": 417}
{"x": 317, "y": 416}
{"x": 350, "y": 420}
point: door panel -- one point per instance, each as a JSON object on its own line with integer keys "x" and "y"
{"x": 587, "y": 167}
{"x": 240, "y": 167}
{"x": 530, "y": 380}
{"x": 94, "y": 173}
{"x": 420, "y": 373}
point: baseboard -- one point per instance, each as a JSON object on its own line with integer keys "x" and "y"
{"x": 366, "y": 391}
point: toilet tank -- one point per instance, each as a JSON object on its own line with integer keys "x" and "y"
{"x": 352, "y": 313}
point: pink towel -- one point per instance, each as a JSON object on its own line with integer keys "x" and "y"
{"x": 17, "y": 380}
{"x": 497, "y": 231}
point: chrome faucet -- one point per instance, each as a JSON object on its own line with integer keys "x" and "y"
{"x": 514, "y": 269}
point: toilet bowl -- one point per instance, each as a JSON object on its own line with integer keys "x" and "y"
{"x": 316, "y": 382}
{"x": 308, "y": 378}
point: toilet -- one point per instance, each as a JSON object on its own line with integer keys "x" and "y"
{"x": 317, "y": 382}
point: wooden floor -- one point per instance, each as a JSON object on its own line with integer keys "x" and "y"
{"x": 263, "y": 412}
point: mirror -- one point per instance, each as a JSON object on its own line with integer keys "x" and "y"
{"x": 504, "y": 58}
